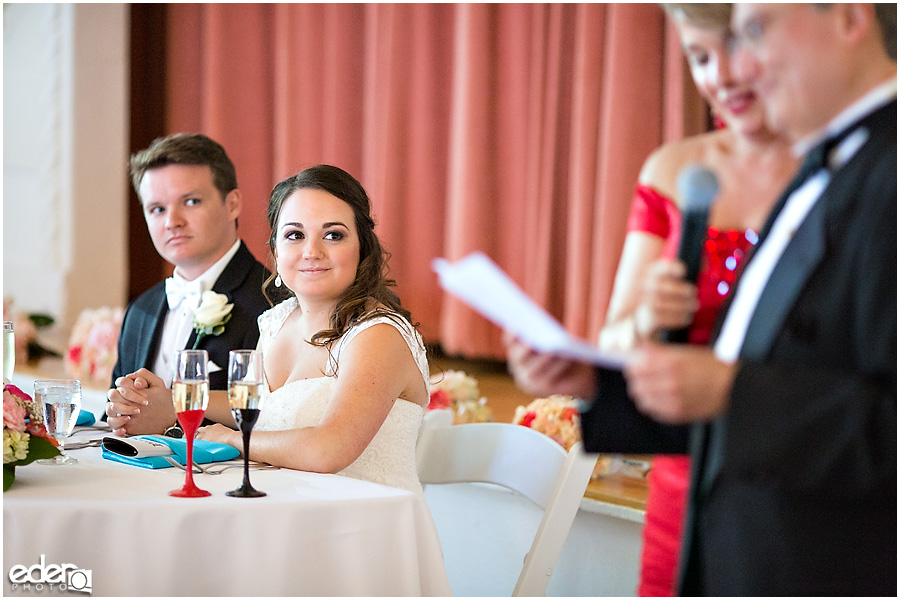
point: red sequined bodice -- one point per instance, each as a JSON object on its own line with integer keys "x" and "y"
{"x": 723, "y": 252}
{"x": 654, "y": 213}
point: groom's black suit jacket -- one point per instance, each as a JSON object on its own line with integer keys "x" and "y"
{"x": 794, "y": 489}
{"x": 142, "y": 326}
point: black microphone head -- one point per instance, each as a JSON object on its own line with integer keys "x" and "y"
{"x": 697, "y": 187}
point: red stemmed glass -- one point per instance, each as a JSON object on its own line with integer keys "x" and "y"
{"x": 190, "y": 394}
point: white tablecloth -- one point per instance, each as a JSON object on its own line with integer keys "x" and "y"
{"x": 313, "y": 535}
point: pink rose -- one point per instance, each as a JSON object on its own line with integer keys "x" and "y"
{"x": 528, "y": 419}
{"x": 39, "y": 430}
{"x": 74, "y": 355}
{"x": 13, "y": 412}
{"x": 439, "y": 399}
{"x": 104, "y": 335}
{"x": 567, "y": 413}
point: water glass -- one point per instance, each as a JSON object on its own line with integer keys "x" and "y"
{"x": 9, "y": 350}
{"x": 60, "y": 401}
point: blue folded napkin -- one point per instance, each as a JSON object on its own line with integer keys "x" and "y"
{"x": 117, "y": 449}
{"x": 85, "y": 417}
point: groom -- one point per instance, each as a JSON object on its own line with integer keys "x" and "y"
{"x": 794, "y": 410}
{"x": 188, "y": 190}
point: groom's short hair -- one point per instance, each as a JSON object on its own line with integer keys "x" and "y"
{"x": 185, "y": 149}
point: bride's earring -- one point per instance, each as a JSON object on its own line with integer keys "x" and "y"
{"x": 278, "y": 281}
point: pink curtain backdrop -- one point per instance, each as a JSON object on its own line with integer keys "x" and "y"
{"x": 513, "y": 129}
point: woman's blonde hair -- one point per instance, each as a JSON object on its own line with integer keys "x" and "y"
{"x": 705, "y": 15}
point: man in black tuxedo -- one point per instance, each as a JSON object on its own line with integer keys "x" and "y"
{"x": 188, "y": 189}
{"x": 794, "y": 409}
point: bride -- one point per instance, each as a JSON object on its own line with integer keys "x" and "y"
{"x": 345, "y": 369}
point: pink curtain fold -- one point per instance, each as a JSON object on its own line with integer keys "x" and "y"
{"x": 584, "y": 159}
{"x": 631, "y": 118}
{"x": 517, "y": 130}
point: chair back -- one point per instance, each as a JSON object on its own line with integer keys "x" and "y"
{"x": 519, "y": 459}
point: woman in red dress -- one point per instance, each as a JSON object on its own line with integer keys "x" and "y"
{"x": 752, "y": 166}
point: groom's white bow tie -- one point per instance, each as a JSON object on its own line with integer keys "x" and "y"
{"x": 178, "y": 290}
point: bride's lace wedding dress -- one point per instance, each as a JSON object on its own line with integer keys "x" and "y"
{"x": 390, "y": 458}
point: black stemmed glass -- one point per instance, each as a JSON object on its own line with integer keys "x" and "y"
{"x": 245, "y": 380}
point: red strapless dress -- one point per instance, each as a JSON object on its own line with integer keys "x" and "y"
{"x": 653, "y": 213}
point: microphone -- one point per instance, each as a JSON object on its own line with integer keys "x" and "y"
{"x": 698, "y": 187}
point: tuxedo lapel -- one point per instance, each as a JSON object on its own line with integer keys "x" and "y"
{"x": 231, "y": 279}
{"x": 812, "y": 163}
{"x": 801, "y": 257}
{"x": 150, "y": 330}
{"x": 807, "y": 248}
{"x": 235, "y": 271}
{"x": 192, "y": 339}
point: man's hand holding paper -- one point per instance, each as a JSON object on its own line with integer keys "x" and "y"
{"x": 544, "y": 374}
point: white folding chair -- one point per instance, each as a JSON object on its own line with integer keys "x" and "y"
{"x": 516, "y": 458}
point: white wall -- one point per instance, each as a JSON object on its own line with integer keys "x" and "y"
{"x": 65, "y": 151}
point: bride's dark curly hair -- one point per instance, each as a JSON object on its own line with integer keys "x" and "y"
{"x": 370, "y": 292}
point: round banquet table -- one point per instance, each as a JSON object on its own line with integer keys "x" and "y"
{"x": 312, "y": 535}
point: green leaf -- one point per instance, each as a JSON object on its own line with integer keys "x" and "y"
{"x": 37, "y": 351}
{"x": 38, "y": 448}
{"x": 9, "y": 475}
{"x": 41, "y": 320}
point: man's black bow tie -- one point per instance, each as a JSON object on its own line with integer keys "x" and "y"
{"x": 817, "y": 158}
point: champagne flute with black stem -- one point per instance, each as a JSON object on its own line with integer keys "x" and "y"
{"x": 190, "y": 394}
{"x": 245, "y": 381}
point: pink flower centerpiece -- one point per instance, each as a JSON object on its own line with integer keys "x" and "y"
{"x": 92, "y": 346}
{"x": 556, "y": 416}
{"x": 459, "y": 392}
{"x": 25, "y": 439}
{"x": 26, "y": 328}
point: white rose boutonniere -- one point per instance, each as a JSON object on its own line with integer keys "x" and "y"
{"x": 212, "y": 315}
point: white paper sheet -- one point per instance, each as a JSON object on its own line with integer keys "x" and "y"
{"x": 480, "y": 283}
